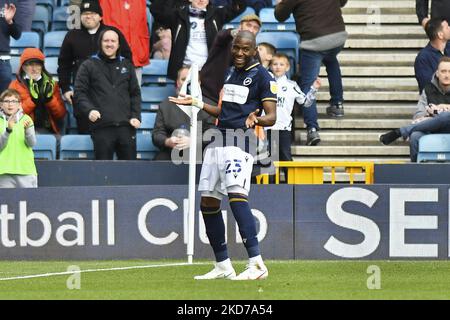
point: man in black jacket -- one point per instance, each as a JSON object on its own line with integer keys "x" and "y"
{"x": 439, "y": 9}
{"x": 79, "y": 45}
{"x": 193, "y": 28}
{"x": 107, "y": 91}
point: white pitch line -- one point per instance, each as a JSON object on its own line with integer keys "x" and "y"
{"x": 44, "y": 275}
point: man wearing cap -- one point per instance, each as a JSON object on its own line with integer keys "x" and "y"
{"x": 193, "y": 28}
{"x": 8, "y": 28}
{"x": 79, "y": 45}
{"x": 220, "y": 59}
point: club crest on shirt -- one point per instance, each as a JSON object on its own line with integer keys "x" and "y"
{"x": 273, "y": 87}
{"x": 247, "y": 81}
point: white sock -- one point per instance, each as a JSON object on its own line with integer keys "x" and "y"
{"x": 256, "y": 260}
{"x": 225, "y": 264}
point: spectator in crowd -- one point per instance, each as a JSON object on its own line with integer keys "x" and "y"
{"x": 17, "y": 137}
{"x": 433, "y": 111}
{"x": 438, "y": 31}
{"x": 439, "y": 9}
{"x": 266, "y": 52}
{"x": 25, "y": 13}
{"x": 170, "y": 118}
{"x": 79, "y": 45}
{"x": 162, "y": 47}
{"x": 8, "y": 28}
{"x": 322, "y": 30}
{"x": 130, "y": 17}
{"x": 257, "y": 5}
{"x": 193, "y": 28}
{"x": 107, "y": 91}
{"x": 220, "y": 58}
{"x": 40, "y": 95}
{"x": 288, "y": 93}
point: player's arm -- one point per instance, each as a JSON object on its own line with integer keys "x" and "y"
{"x": 269, "y": 117}
{"x": 190, "y": 101}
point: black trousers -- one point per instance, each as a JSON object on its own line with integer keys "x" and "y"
{"x": 109, "y": 140}
{"x": 280, "y": 147}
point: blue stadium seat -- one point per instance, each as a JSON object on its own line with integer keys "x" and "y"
{"x": 64, "y": 2}
{"x": 286, "y": 42}
{"x": 270, "y": 23}
{"x": 52, "y": 43}
{"x": 63, "y": 16}
{"x": 15, "y": 61}
{"x": 434, "y": 148}
{"x": 155, "y": 72}
{"x": 152, "y": 96}
{"x": 147, "y": 123}
{"x": 236, "y": 21}
{"x": 76, "y": 146}
{"x": 27, "y": 40}
{"x": 144, "y": 147}
{"x": 45, "y": 147}
{"x": 41, "y": 19}
{"x": 51, "y": 64}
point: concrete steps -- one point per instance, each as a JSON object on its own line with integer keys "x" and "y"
{"x": 373, "y": 71}
{"x": 371, "y": 57}
{"x": 374, "y": 84}
{"x": 373, "y": 95}
{"x": 374, "y": 109}
{"x": 357, "y": 123}
{"x": 320, "y": 150}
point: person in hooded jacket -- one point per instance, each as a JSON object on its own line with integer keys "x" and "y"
{"x": 39, "y": 92}
{"x": 108, "y": 93}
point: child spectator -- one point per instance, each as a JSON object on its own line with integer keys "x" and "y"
{"x": 266, "y": 52}
{"x": 17, "y": 137}
{"x": 288, "y": 93}
{"x": 39, "y": 92}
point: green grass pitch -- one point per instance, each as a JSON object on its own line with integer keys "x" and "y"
{"x": 287, "y": 280}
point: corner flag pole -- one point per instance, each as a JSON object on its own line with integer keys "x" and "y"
{"x": 196, "y": 93}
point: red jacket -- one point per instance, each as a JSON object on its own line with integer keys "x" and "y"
{"x": 130, "y": 17}
{"x": 55, "y": 106}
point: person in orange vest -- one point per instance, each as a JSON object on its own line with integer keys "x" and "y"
{"x": 130, "y": 17}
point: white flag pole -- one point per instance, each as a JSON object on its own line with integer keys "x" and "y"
{"x": 196, "y": 93}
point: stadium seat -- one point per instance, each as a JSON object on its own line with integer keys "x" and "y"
{"x": 41, "y": 19}
{"x": 236, "y": 21}
{"x": 71, "y": 124}
{"x": 64, "y": 2}
{"x": 51, "y": 64}
{"x": 62, "y": 16}
{"x": 76, "y": 146}
{"x": 147, "y": 123}
{"x": 152, "y": 96}
{"x": 15, "y": 61}
{"x": 155, "y": 72}
{"x": 27, "y": 40}
{"x": 144, "y": 147}
{"x": 434, "y": 148}
{"x": 45, "y": 147}
{"x": 270, "y": 23}
{"x": 52, "y": 43}
{"x": 286, "y": 42}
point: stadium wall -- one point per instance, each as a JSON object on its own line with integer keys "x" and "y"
{"x": 294, "y": 222}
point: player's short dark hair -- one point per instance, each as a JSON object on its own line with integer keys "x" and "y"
{"x": 269, "y": 47}
{"x": 433, "y": 27}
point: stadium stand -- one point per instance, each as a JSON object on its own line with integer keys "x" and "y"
{"x": 152, "y": 96}
{"x": 235, "y": 22}
{"x": 147, "y": 122}
{"x": 76, "y": 146}
{"x": 51, "y": 64}
{"x": 41, "y": 19}
{"x": 52, "y": 43}
{"x": 270, "y": 23}
{"x": 60, "y": 19}
{"x": 155, "y": 72}
{"x": 144, "y": 146}
{"x": 28, "y": 39}
{"x": 45, "y": 147}
{"x": 15, "y": 61}
{"x": 434, "y": 148}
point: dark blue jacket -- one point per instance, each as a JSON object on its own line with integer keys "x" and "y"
{"x": 6, "y": 31}
{"x": 255, "y": 4}
{"x": 426, "y": 64}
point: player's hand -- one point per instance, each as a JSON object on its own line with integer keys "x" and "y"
{"x": 94, "y": 115}
{"x": 135, "y": 123}
{"x": 317, "y": 83}
{"x": 252, "y": 119}
{"x": 187, "y": 100}
{"x": 69, "y": 96}
{"x": 183, "y": 142}
{"x": 27, "y": 123}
